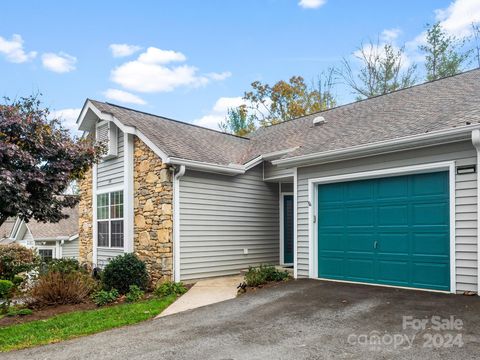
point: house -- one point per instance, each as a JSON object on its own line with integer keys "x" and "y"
{"x": 50, "y": 240}
{"x": 381, "y": 191}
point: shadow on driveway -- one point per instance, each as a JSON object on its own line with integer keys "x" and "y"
{"x": 302, "y": 319}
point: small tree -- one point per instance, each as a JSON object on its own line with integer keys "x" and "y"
{"x": 272, "y": 104}
{"x": 381, "y": 71}
{"x": 38, "y": 161}
{"x": 476, "y": 45}
{"x": 443, "y": 55}
{"x": 238, "y": 121}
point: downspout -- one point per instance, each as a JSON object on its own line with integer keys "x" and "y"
{"x": 476, "y": 144}
{"x": 176, "y": 222}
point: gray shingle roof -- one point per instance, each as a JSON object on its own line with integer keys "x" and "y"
{"x": 6, "y": 227}
{"x": 442, "y": 104}
{"x": 179, "y": 139}
{"x": 437, "y": 105}
{"x": 65, "y": 227}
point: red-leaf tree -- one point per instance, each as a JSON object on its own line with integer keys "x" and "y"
{"x": 38, "y": 161}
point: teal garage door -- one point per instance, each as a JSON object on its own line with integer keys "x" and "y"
{"x": 391, "y": 231}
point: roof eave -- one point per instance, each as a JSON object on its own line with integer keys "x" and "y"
{"x": 381, "y": 147}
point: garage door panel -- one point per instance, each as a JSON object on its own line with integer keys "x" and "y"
{"x": 394, "y": 272}
{"x": 429, "y": 184}
{"x": 392, "y": 215}
{"x": 393, "y": 243}
{"x": 360, "y": 269}
{"x": 431, "y": 275}
{"x": 331, "y": 217}
{"x": 433, "y": 213}
{"x": 388, "y": 231}
{"x": 332, "y": 267}
{"x": 332, "y": 242}
{"x": 431, "y": 244}
{"x": 392, "y": 188}
{"x": 359, "y": 242}
{"x": 360, "y": 190}
{"x": 360, "y": 216}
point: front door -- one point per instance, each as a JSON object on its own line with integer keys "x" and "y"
{"x": 288, "y": 229}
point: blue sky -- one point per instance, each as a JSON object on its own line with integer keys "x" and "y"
{"x": 191, "y": 60}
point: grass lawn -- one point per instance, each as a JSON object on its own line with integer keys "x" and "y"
{"x": 79, "y": 323}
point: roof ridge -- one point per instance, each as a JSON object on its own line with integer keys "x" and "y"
{"x": 170, "y": 119}
{"x": 370, "y": 98}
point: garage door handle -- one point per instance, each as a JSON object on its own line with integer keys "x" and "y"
{"x": 375, "y": 244}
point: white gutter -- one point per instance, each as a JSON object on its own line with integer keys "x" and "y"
{"x": 268, "y": 156}
{"x": 476, "y": 144}
{"x": 231, "y": 169}
{"x": 176, "y": 223}
{"x": 407, "y": 142}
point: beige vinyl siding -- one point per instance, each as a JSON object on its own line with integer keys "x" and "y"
{"x": 465, "y": 204}
{"x": 104, "y": 255}
{"x": 274, "y": 172}
{"x": 220, "y": 216}
{"x": 110, "y": 172}
{"x": 70, "y": 249}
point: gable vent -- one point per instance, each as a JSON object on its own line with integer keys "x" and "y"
{"x": 319, "y": 120}
{"x": 107, "y": 134}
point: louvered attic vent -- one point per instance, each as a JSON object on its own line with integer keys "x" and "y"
{"x": 107, "y": 134}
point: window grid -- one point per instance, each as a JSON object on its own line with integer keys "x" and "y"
{"x": 110, "y": 230}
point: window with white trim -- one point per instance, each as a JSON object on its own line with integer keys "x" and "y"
{"x": 110, "y": 220}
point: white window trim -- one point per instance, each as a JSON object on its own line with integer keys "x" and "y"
{"x": 108, "y": 190}
{"x": 405, "y": 170}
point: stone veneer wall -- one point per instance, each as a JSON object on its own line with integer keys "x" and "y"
{"x": 153, "y": 197}
{"x": 85, "y": 215}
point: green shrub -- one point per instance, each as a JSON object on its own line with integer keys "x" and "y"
{"x": 15, "y": 259}
{"x": 56, "y": 288}
{"x": 256, "y": 276}
{"x": 19, "y": 312}
{"x": 104, "y": 297}
{"x": 134, "y": 294}
{"x": 65, "y": 266}
{"x": 123, "y": 271}
{"x": 17, "y": 280}
{"x": 170, "y": 288}
{"x": 6, "y": 294}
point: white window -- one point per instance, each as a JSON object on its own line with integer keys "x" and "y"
{"x": 108, "y": 135}
{"x": 110, "y": 220}
{"x": 46, "y": 254}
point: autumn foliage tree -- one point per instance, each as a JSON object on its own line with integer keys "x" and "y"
{"x": 38, "y": 161}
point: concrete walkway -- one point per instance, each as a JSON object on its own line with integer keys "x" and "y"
{"x": 205, "y": 292}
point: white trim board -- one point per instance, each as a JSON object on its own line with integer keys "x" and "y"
{"x": 405, "y": 170}
{"x": 295, "y": 223}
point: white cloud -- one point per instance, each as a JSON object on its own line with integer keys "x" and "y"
{"x": 68, "y": 117}
{"x": 59, "y": 63}
{"x": 218, "y": 112}
{"x": 124, "y": 97}
{"x": 152, "y": 72}
{"x": 311, "y": 4}
{"x": 155, "y": 55}
{"x": 390, "y": 35}
{"x": 122, "y": 50}
{"x": 458, "y": 17}
{"x": 14, "y": 51}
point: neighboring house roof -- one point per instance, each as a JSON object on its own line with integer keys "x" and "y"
{"x": 65, "y": 228}
{"x": 433, "y": 106}
{"x": 6, "y": 228}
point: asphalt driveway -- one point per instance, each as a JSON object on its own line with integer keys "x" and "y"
{"x": 303, "y": 319}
